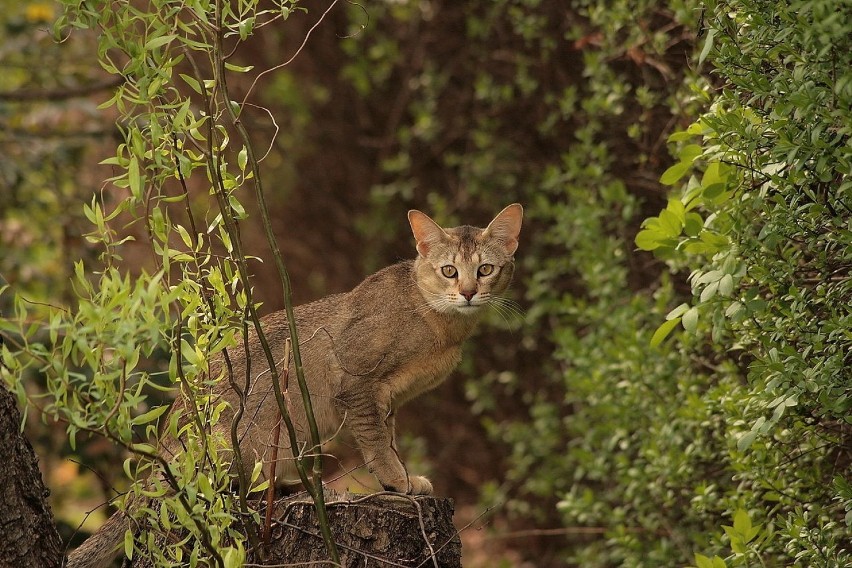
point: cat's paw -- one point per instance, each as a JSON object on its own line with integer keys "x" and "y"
{"x": 419, "y": 485}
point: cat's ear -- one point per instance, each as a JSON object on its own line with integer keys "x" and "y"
{"x": 426, "y": 231}
{"x": 506, "y": 227}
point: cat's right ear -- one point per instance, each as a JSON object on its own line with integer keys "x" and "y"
{"x": 426, "y": 231}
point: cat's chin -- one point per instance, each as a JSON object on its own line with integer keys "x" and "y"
{"x": 467, "y": 309}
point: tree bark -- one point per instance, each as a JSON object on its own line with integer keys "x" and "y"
{"x": 28, "y": 536}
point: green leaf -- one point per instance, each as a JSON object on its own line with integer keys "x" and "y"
{"x": 689, "y": 152}
{"x": 242, "y": 159}
{"x": 192, "y": 82}
{"x": 712, "y": 175}
{"x": 648, "y": 240}
{"x": 742, "y": 522}
{"x": 159, "y": 41}
{"x": 205, "y": 487}
{"x": 128, "y": 544}
{"x": 135, "y": 178}
{"x": 746, "y": 440}
{"x": 150, "y": 416}
{"x": 726, "y": 285}
{"x": 184, "y": 235}
{"x": 680, "y": 136}
{"x": 676, "y": 208}
{"x": 692, "y": 225}
{"x": 234, "y": 557}
{"x": 708, "y": 45}
{"x": 678, "y": 311}
{"x": 674, "y": 173}
{"x": 663, "y": 331}
{"x": 709, "y": 291}
{"x": 237, "y": 68}
{"x": 690, "y": 320}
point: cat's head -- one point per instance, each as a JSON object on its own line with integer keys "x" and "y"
{"x": 462, "y": 269}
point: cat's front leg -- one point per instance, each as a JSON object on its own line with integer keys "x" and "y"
{"x": 372, "y": 424}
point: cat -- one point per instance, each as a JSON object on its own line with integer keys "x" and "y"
{"x": 365, "y": 353}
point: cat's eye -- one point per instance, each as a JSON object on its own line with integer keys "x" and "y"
{"x": 449, "y": 271}
{"x": 486, "y": 270}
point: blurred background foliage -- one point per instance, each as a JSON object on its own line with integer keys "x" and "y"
{"x": 727, "y": 442}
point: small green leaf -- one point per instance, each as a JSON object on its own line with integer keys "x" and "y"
{"x": 205, "y": 487}
{"x": 159, "y": 41}
{"x": 184, "y": 235}
{"x": 128, "y": 544}
{"x": 234, "y": 557}
{"x": 690, "y": 320}
{"x": 670, "y": 223}
{"x": 742, "y": 523}
{"x": 663, "y": 331}
{"x": 242, "y": 159}
{"x": 680, "y": 136}
{"x": 726, "y": 285}
{"x": 192, "y": 82}
{"x": 135, "y": 178}
{"x": 674, "y": 173}
{"x": 648, "y": 240}
{"x": 237, "y": 68}
{"x": 693, "y": 223}
{"x": 689, "y": 152}
{"x": 708, "y": 45}
{"x": 709, "y": 291}
{"x": 678, "y": 311}
{"x": 150, "y": 416}
{"x": 712, "y": 174}
{"x": 746, "y": 440}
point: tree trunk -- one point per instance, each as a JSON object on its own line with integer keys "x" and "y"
{"x": 28, "y": 536}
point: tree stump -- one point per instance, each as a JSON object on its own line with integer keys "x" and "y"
{"x": 383, "y": 530}
{"x": 379, "y": 530}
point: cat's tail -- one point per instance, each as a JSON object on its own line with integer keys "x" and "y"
{"x": 99, "y": 550}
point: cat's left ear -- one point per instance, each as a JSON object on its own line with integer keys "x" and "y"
{"x": 506, "y": 227}
{"x": 426, "y": 231}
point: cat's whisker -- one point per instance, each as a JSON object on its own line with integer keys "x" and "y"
{"x": 497, "y": 308}
{"x": 508, "y": 304}
{"x": 425, "y": 291}
{"x": 508, "y": 310}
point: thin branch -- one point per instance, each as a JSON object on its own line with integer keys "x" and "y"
{"x": 298, "y": 51}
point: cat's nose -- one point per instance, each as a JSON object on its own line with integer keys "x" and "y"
{"x": 468, "y": 295}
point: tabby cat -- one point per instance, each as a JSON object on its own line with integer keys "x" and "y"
{"x": 365, "y": 353}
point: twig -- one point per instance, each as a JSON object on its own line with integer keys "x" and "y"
{"x": 298, "y": 51}
{"x": 270, "y": 493}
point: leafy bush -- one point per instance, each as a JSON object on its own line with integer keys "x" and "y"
{"x": 739, "y": 420}
{"x": 764, "y": 222}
